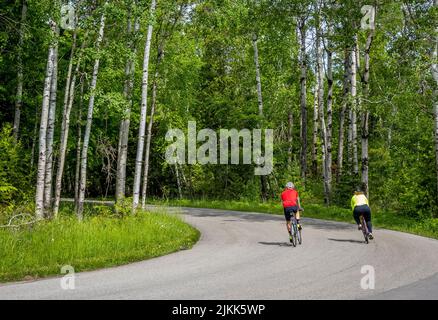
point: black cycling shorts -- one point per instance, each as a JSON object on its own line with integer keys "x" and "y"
{"x": 288, "y": 212}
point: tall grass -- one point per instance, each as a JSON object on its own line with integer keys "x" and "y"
{"x": 96, "y": 242}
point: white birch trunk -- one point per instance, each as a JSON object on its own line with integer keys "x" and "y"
{"x": 346, "y": 89}
{"x": 78, "y": 145}
{"x": 366, "y": 115}
{"x": 353, "y": 110}
{"x": 321, "y": 109}
{"x": 19, "y": 93}
{"x": 315, "y": 131}
{"x": 303, "y": 97}
{"x": 434, "y": 70}
{"x": 122, "y": 154}
{"x": 260, "y": 104}
{"x": 65, "y": 127}
{"x": 50, "y": 133}
{"x": 143, "y": 113}
{"x": 86, "y": 140}
{"x": 258, "y": 77}
{"x": 329, "y": 117}
{"x": 148, "y": 140}
{"x": 39, "y": 194}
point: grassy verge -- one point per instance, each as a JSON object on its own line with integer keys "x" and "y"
{"x": 386, "y": 220}
{"x": 96, "y": 242}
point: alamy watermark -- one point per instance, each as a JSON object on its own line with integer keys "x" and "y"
{"x": 68, "y": 281}
{"x": 229, "y": 143}
{"x": 68, "y": 16}
{"x": 368, "y": 20}
{"x": 368, "y": 281}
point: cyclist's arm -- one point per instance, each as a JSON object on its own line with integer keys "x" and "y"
{"x": 353, "y": 203}
{"x": 299, "y": 204}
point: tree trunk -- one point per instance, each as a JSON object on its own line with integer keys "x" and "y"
{"x": 39, "y": 194}
{"x": 366, "y": 114}
{"x": 65, "y": 126}
{"x": 303, "y": 97}
{"x": 148, "y": 140}
{"x": 434, "y": 70}
{"x": 78, "y": 145}
{"x": 34, "y": 139}
{"x": 290, "y": 125}
{"x": 122, "y": 153}
{"x": 50, "y": 133}
{"x": 86, "y": 140}
{"x": 142, "y": 129}
{"x": 19, "y": 94}
{"x": 329, "y": 116}
{"x": 321, "y": 109}
{"x": 178, "y": 181}
{"x": 346, "y": 90}
{"x": 353, "y": 111}
{"x": 258, "y": 77}
{"x": 260, "y": 104}
{"x": 315, "y": 132}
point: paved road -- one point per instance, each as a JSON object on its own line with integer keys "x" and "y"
{"x": 247, "y": 256}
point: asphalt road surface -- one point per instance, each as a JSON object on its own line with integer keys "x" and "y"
{"x": 248, "y": 256}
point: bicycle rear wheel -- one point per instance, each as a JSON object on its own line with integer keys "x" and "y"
{"x": 299, "y": 236}
{"x": 293, "y": 231}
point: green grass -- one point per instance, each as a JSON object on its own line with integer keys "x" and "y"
{"x": 386, "y": 220}
{"x": 96, "y": 242}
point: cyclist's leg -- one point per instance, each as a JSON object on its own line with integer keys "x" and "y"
{"x": 367, "y": 216}
{"x": 356, "y": 215}
{"x": 287, "y": 216}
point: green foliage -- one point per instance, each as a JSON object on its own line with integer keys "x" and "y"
{"x": 14, "y": 174}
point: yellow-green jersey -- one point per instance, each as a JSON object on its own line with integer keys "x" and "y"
{"x": 358, "y": 200}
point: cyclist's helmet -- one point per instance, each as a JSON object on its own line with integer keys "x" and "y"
{"x": 358, "y": 190}
{"x": 290, "y": 185}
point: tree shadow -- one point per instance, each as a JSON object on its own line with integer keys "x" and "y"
{"x": 280, "y": 244}
{"x": 347, "y": 240}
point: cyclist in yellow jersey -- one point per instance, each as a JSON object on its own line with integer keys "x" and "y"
{"x": 360, "y": 206}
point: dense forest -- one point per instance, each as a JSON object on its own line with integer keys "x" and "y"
{"x": 91, "y": 87}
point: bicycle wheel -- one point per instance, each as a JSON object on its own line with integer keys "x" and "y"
{"x": 293, "y": 231}
{"x": 364, "y": 228}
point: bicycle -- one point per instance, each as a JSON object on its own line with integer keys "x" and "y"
{"x": 364, "y": 228}
{"x": 295, "y": 232}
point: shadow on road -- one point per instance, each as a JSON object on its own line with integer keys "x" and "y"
{"x": 347, "y": 240}
{"x": 280, "y": 244}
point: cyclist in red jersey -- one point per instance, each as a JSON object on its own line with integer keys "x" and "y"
{"x": 291, "y": 205}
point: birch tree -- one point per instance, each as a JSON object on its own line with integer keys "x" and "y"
{"x": 345, "y": 92}
{"x": 86, "y": 140}
{"x": 143, "y": 113}
{"x": 42, "y": 155}
{"x": 352, "y": 135}
{"x": 19, "y": 93}
{"x": 259, "y": 102}
{"x": 365, "y": 113}
{"x": 65, "y": 126}
{"x": 50, "y": 133}
{"x": 434, "y": 70}
{"x": 122, "y": 153}
{"x": 303, "y": 96}
{"x": 321, "y": 109}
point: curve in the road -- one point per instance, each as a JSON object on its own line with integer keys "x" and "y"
{"x": 247, "y": 256}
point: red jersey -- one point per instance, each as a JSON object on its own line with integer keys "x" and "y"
{"x": 289, "y": 198}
